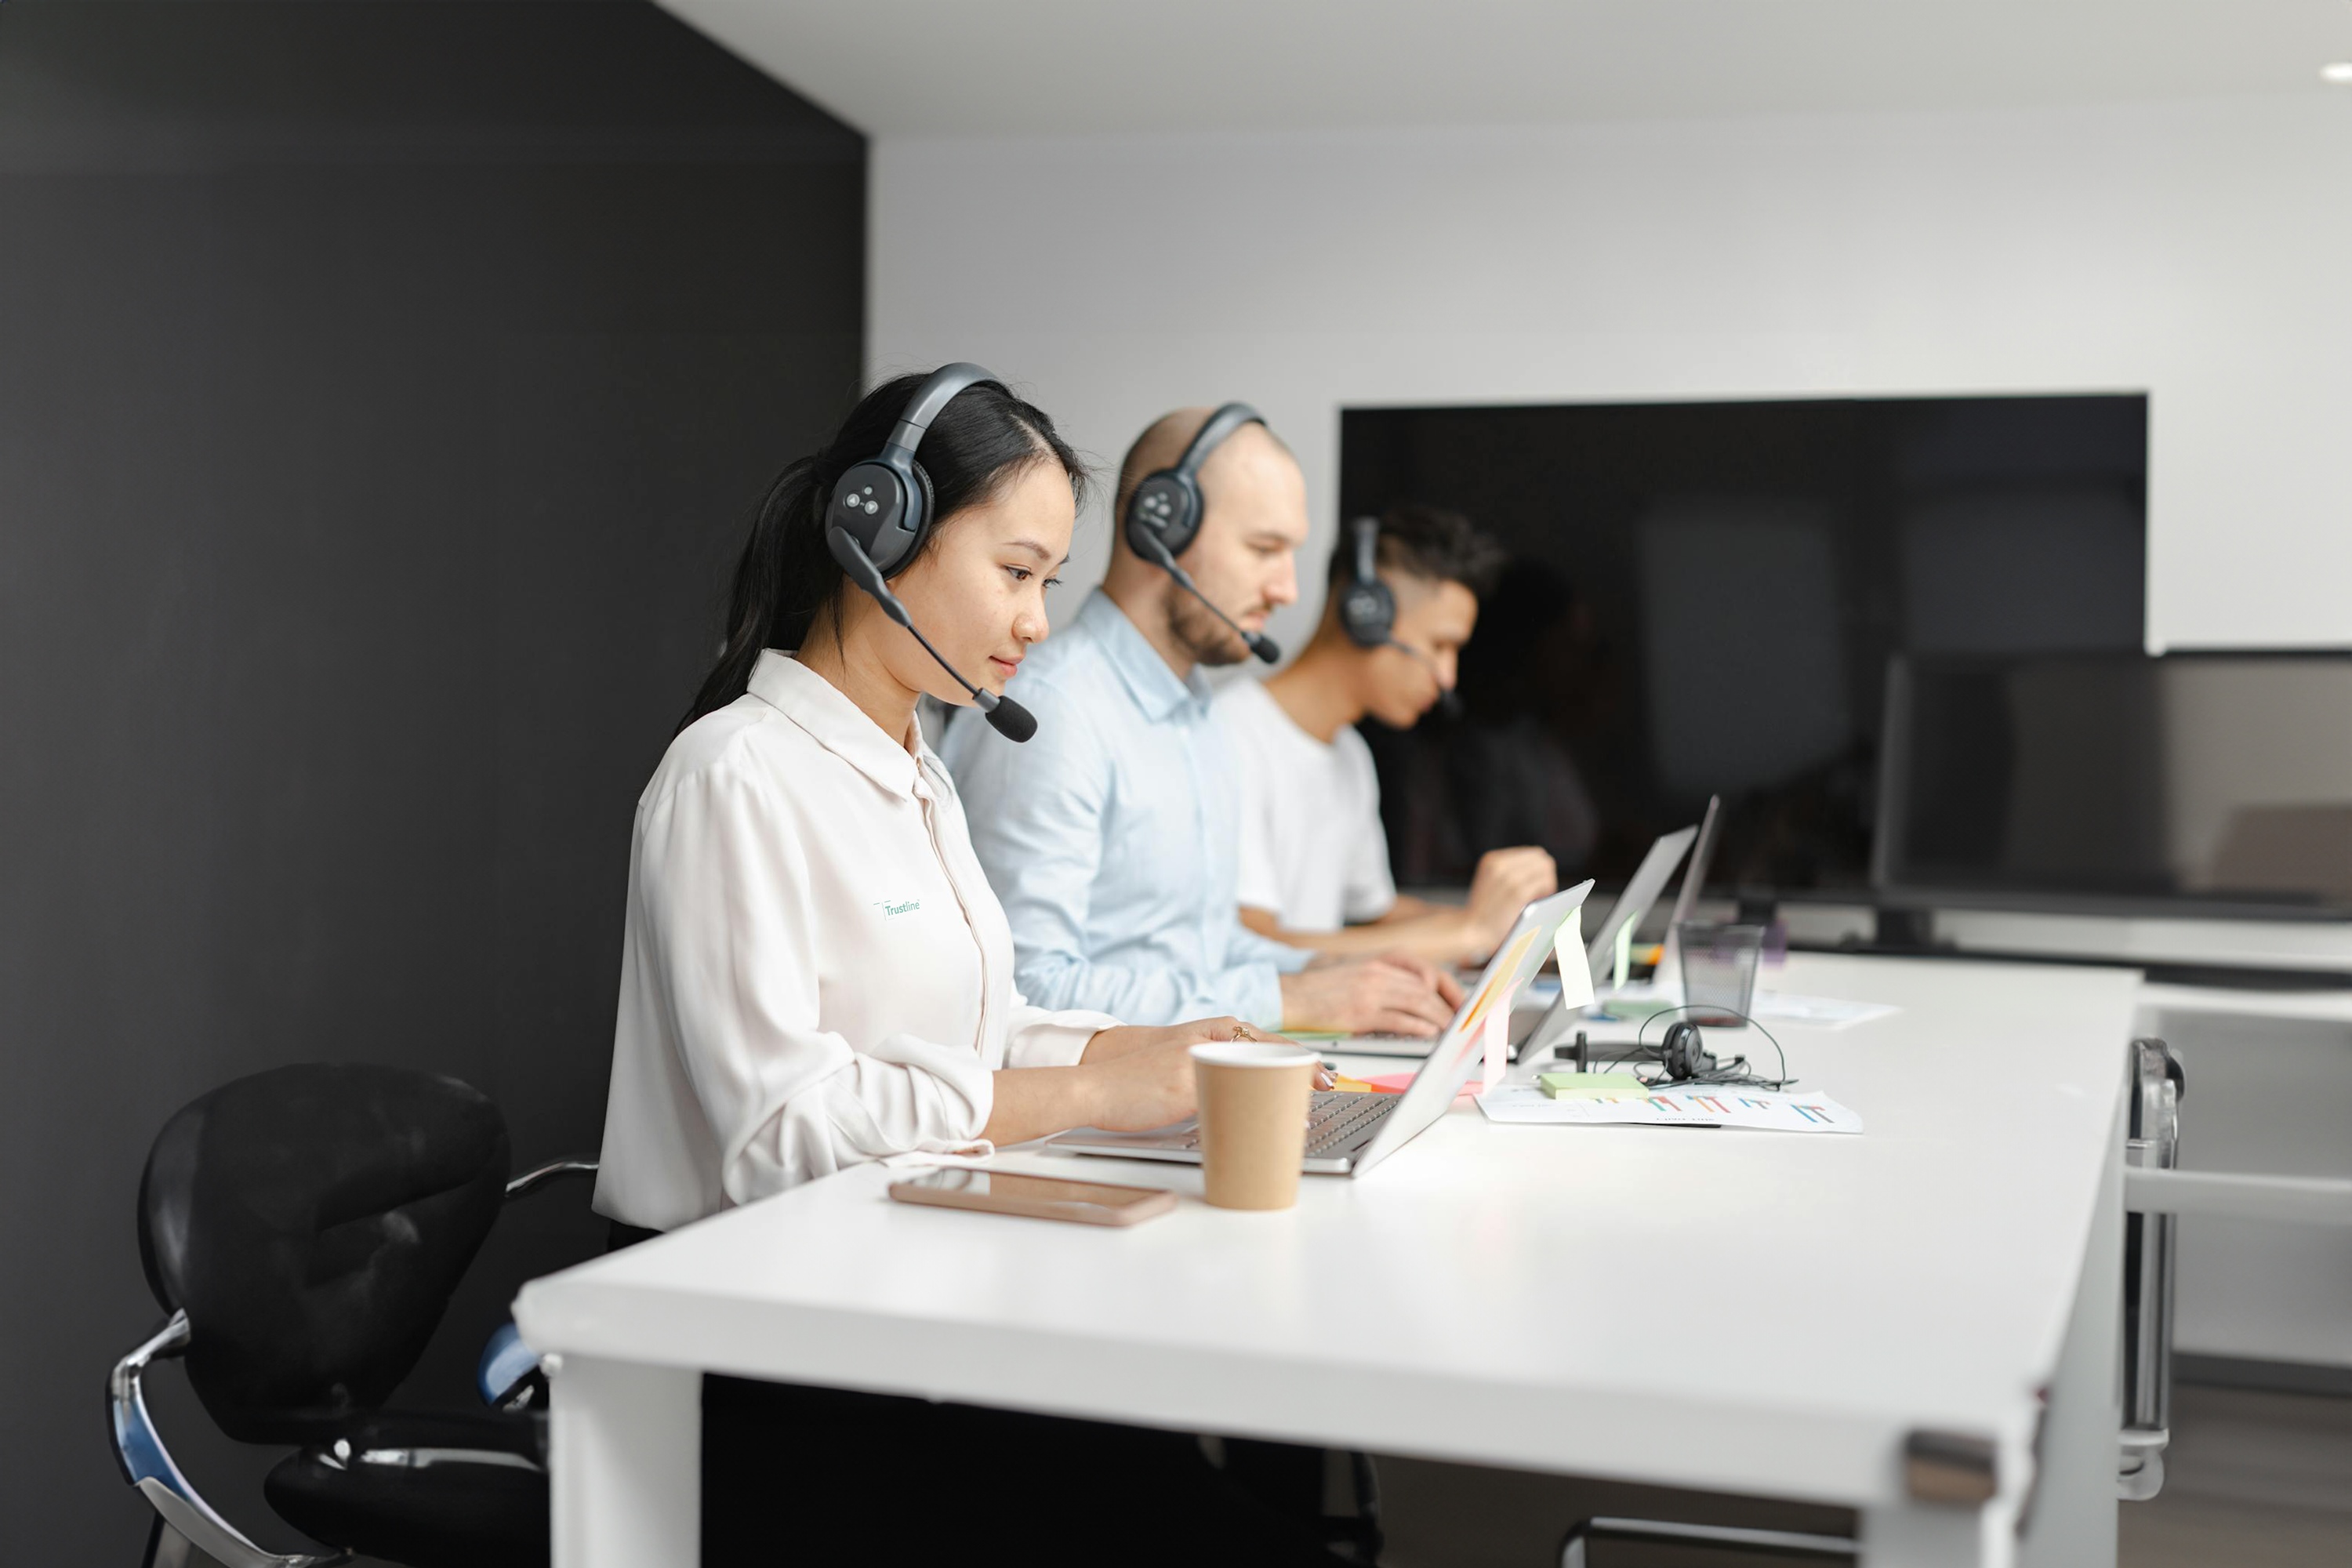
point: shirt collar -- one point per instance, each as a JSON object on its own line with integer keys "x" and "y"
{"x": 836, "y": 724}
{"x": 1149, "y": 680}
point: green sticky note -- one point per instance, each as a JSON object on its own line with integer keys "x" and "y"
{"x": 1578, "y": 1084}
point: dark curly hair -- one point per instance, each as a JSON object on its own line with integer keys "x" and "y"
{"x": 1429, "y": 542}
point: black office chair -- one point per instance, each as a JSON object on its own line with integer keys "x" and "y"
{"x": 303, "y": 1229}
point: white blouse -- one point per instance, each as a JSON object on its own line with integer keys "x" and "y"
{"x": 814, "y": 972}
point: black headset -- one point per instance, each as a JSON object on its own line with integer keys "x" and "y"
{"x": 880, "y": 510}
{"x": 1684, "y": 1055}
{"x": 884, "y": 503}
{"x": 1367, "y": 610}
{"x": 1163, "y": 515}
{"x": 1366, "y": 605}
{"x": 1166, "y": 506}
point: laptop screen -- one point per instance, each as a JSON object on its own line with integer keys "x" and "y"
{"x": 1447, "y": 1067}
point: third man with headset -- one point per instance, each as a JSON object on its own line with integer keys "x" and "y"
{"x": 1403, "y": 599}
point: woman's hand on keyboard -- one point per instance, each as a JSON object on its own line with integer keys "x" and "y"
{"x": 1143, "y": 1076}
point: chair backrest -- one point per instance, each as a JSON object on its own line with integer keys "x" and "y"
{"x": 313, "y": 1221}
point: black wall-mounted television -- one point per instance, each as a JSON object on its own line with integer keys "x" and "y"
{"x": 1704, "y": 598}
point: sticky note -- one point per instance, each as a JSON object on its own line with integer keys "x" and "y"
{"x": 1575, "y": 969}
{"x": 1575, "y": 1084}
{"x": 1499, "y": 981}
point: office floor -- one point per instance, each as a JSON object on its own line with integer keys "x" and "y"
{"x": 2253, "y": 1480}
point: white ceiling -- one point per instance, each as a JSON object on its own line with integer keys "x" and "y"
{"x": 903, "y": 68}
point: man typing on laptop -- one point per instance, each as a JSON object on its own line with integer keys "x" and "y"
{"x": 1402, "y": 599}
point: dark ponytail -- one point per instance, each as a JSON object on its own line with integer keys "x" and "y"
{"x": 786, "y": 577}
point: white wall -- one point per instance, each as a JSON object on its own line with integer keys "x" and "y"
{"x": 2202, "y": 253}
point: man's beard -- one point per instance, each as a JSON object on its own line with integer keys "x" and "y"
{"x": 1202, "y": 635}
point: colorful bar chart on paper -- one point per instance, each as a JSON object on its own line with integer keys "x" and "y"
{"x": 1671, "y": 1105}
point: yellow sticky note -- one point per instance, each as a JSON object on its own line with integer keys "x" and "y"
{"x": 1584, "y": 1085}
{"x": 1575, "y": 970}
{"x": 1497, "y": 979}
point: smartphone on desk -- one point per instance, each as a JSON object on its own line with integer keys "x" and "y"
{"x": 1037, "y": 1198}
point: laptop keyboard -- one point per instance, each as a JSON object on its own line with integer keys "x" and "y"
{"x": 1335, "y": 1119}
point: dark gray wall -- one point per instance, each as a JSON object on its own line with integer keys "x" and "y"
{"x": 383, "y": 391}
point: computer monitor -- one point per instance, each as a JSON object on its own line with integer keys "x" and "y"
{"x": 2198, "y": 784}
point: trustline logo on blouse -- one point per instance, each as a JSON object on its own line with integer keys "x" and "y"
{"x": 891, "y": 911}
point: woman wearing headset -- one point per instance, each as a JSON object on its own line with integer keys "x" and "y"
{"x": 815, "y": 972}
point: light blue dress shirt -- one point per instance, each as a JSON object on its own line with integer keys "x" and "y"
{"x": 1112, "y": 837}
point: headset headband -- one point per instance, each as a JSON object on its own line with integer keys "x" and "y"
{"x": 1367, "y": 539}
{"x": 1227, "y": 419}
{"x": 937, "y": 392}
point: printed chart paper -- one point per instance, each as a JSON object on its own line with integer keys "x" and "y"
{"x": 1674, "y": 1106}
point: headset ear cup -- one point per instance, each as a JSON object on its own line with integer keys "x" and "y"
{"x": 1166, "y": 508}
{"x": 1367, "y": 605}
{"x": 1185, "y": 525}
{"x": 1367, "y": 612}
{"x": 1135, "y": 526}
{"x": 1697, "y": 1060}
{"x": 1684, "y": 1052}
{"x": 926, "y": 502}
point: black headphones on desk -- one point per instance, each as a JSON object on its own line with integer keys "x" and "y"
{"x": 1163, "y": 515}
{"x": 1684, "y": 1055}
{"x": 880, "y": 510}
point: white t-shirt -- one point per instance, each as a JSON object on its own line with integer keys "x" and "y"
{"x": 1312, "y": 850}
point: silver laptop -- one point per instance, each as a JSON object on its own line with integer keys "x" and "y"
{"x": 1349, "y": 1133}
{"x": 1535, "y": 1029}
{"x": 1667, "y": 978}
{"x": 1626, "y": 914}
{"x": 1524, "y": 1019}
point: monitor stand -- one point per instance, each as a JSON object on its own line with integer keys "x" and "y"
{"x": 1911, "y": 931}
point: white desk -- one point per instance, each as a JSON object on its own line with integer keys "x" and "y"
{"x": 1748, "y": 1312}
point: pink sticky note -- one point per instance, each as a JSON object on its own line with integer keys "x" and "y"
{"x": 1496, "y": 1033}
{"x": 1398, "y": 1082}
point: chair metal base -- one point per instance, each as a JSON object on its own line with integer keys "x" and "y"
{"x": 182, "y": 1515}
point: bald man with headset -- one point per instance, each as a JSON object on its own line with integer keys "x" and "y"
{"x": 1112, "y": 838}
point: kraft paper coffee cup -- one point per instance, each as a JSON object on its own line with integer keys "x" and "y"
{"x": 1253, "y": 1098}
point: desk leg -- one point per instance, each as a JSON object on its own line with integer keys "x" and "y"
{"x": 2074, "y": 1509}
{"x": 624, "y": 1446}
{"x": 2073, "y": 1519}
